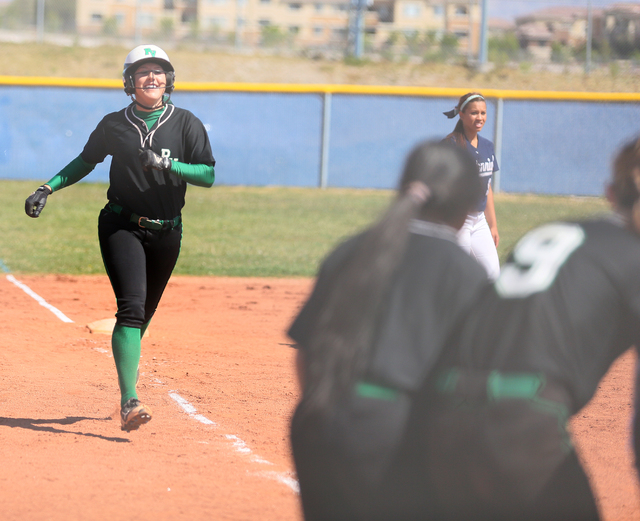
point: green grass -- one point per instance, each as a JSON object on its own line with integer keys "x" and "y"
{"x": 234, "y": 231}
{"x": 517, "y": 214}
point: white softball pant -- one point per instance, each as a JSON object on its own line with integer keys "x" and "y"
{"x": 475, "y": 238}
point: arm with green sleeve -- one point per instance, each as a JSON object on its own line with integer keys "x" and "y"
{"x": 199, "y": 175}
{"x": 72, "y": 173}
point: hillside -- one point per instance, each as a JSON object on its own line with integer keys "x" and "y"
{"x": 258, "y": 67}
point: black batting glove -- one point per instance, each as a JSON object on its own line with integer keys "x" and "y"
{"x": 36, "y": 201}
{"x": 150, "y": 159}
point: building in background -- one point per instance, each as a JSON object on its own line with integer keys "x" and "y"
{"x": 425, "y": 29}
{"x": 322, "y": 24}
{"x": 136, "y": 18}
{"x": 566, "y": 25}
{"x": 622, "y": 28}
{"x": 435, "y": 17}
{"x": 303, "y": 23}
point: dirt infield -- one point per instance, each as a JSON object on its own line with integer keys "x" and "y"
{"x": 217, "y": 371}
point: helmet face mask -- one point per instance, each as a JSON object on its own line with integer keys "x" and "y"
{"x": 145, "y": 54}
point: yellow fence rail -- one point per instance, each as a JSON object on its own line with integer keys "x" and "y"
{"x": 301, "y": 88}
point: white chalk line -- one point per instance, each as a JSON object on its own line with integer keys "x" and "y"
{"x": 281, "y": 477}
{"x": 190, "y": 409}
{"x": 239, "y": 445}
{"x": 39, "y": 299}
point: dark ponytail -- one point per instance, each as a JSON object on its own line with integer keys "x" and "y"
{"x": 438, "y": 179}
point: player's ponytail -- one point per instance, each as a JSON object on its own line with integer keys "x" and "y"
{"x": 440, "y": 183}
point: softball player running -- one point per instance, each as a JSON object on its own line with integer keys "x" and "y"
{"x": 382, "y": 306}
{"x": 565, "y": 306}
{"x": 479, "y": 234}
{"x": 156, "y": 149}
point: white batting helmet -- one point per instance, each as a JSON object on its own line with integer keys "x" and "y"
{"x": 145, "y": 54}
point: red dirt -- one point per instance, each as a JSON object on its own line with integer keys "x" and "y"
{"x": 218, "y": 343}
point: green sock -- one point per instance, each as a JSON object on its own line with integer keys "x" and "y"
{"x": 125, "y": 343}
{"x": 144, "y": 327}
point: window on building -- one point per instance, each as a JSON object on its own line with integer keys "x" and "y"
{"x": 317, "y": 7}
{"x": 385, "y": 13}
{"x": 96, "y": 17}
{"x": 438, "y": 10}
{"x": 411, "y": 10}
{"x": 318, "y": 30}
{"x": 145, "y": 19}
{"x": 265, "y": 1}
{"x": 461, "y": 10}
{"x": 219, "y": 22}
{"x": 169, "y": 4}
{"x": 264, "y": 22}
{"x": 295, "y": 7}
{"x": 341, "y": 7}
{"x": 294, "y": 29}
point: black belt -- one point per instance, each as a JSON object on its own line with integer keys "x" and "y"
{"x": 145, "y": 222}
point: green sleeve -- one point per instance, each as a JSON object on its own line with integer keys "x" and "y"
{"x": 72, "y": 173}
{"x": 199, "y": 175}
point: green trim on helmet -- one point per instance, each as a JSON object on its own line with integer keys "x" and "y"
{"x": 144, "y": 54}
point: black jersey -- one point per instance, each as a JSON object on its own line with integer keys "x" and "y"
{"x": 567, "y": 304}
{"x": 433, "y": 289}
{"x": 346, "y": 461}
{"x": 177, "y": 134}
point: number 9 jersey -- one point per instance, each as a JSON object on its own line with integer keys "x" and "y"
{"x": 567, "y": 304}
{"x": 531, "y": 354}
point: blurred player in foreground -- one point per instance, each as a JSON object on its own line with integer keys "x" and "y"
{"x": 566, "y": 305}
{"x": 479, "y": 234}
{"x": 156, "y": 150}
{"x": 383, "y": 305}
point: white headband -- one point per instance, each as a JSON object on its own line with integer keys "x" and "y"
{"x": 455, "y": 111}
{"x": 470, "y": 98}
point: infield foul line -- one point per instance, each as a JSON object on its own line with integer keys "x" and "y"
{"x": 238, "y": 444}
{"x": 39, "y": 299}
{"x": 190, "y": 409}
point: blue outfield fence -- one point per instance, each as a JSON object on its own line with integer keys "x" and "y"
{"x": 329, "y": 135}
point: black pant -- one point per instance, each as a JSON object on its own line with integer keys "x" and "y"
{"x": 349, "y": 463}
{"x": 139, "y": 263}
{"x": 503, "y": 460}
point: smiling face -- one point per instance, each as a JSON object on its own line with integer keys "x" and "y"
{"x": 473, "y": 117}
{"x": 150, "y": 82}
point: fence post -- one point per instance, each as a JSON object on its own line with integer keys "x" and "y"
{"x": 498, "y": 142}
{"x": 326, "y": 136}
